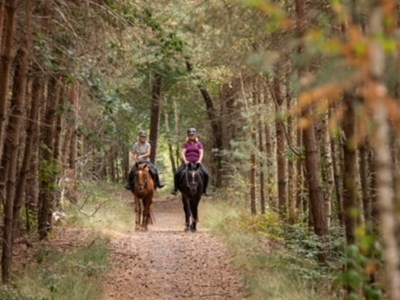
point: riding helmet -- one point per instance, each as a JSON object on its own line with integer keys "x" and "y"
{"x": 143, "y": 133}
{"x": 191, "y": 131}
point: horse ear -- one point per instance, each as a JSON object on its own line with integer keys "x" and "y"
{"x": 136, "y": 165}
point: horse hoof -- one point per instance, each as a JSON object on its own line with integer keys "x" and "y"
{"x": 187, "y": 229}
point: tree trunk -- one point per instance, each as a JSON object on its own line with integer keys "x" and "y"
{"x": 268, "y": 152}
{"x": 5, "y": 64}
{"x": 291, "y": 162}
{"x": 326, "y": 165}
{"x": 389, "y": 214}
{"x": 155, "y": 116}
{"x": 176, "y": 127}
{"x": 33, "y": 118}
{"x": 253, "y": 163}
{"x": 337, "y": 182}
{"x": 280, "y": 148}
{"x": 317, "y": 205}
{"x": 12, "y": 144}
{"x": 349, "y": 169}
{"x": 169, "y": 141}
{"x": 32, "y": 175}
{"x": 363, "y": 169}
{"x": 47, "y": 166}
{"x": 216, "y": 129}
{"x": 2, "y": 19}
{"x": 59, "y": 126}
{"x": 262, "y": 152}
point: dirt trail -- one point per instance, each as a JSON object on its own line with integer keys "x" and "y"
{"x": 168, "y": 263}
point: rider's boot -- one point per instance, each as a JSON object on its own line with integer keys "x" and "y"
{"x": 158, "y": 182}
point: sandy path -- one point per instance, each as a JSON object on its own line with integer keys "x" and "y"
{"x": 167, "y": 263}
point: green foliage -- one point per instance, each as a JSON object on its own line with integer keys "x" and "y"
{"x": 48, "y": 172}
{"x": 279, "y": 261}
{"x": 361, "y": 262}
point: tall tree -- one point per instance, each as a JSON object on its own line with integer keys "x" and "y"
{"x": 5, "y": 62}
{"x": 155, "y": 115}
{"x": 10, "y": 158}
{"x": 280, "y": 142}
{"x": 389, "y": 214}
{"x": 312, "y": 161}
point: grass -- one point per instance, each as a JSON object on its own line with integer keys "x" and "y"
{"x": 102, "y": 208}
{"x": 59, "y": 274}
{"x": 271, "y": 270}
{"x": 76, "y": 270}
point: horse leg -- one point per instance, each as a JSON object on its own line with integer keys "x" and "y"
{"x": 146, "y": 212}
{"x": 138, "y": 213}
{"x": 186, "y": 209}
{"x": 193, "y": 207}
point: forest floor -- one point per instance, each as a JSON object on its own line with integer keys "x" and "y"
{"x": 167, "y": 263}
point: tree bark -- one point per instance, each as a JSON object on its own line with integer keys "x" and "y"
{"x": 389, "y": 214}
{"x": 262, "y": 152}
{"x": 216, "y": 129}
{"x": 253, "y": 167}
{"x": 169, "y": 141}
{"x": 363, "y": 169}
{"x": 155, "y": 116}
{"x": 12, "y": 144}
{"x": 280, "y": 148}
{"x": 291, "y": 162}
{"x": 268, "y": 151}
{"x": 47, "y": 164}
{"x": 5, "y": 64}
{"x": 349, "y": 170}
{"x": 337, "y": 182}
{"x": 2, "y": 19}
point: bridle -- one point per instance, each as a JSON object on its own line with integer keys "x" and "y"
{"x": 190, "y": 182}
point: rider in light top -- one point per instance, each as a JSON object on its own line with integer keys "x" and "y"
{"x": 192, "y": 152}
{"x": 141, "y": 153}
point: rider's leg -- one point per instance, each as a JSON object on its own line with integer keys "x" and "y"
{"x": 205, "y": 177}
{"x": 131, "y": 178}
{"x": 156, "y": 177}
{"x": 177, "y": 176}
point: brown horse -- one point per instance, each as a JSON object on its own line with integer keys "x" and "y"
{"x": 143, "y": 192}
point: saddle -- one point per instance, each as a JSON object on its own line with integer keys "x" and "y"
{"x": 188, "y": 167}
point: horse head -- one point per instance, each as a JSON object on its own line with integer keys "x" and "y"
{"x": 142, "y": 176}
{"x": 193, "y": 177}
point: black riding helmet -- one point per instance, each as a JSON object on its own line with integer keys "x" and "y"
{"x": 191, "y": 131}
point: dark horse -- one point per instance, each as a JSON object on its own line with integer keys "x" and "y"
{"x": 143, "y": 192}
{"x": 191, "y": 186}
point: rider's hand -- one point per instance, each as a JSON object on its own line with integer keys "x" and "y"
{"x": 185, "y": 162}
